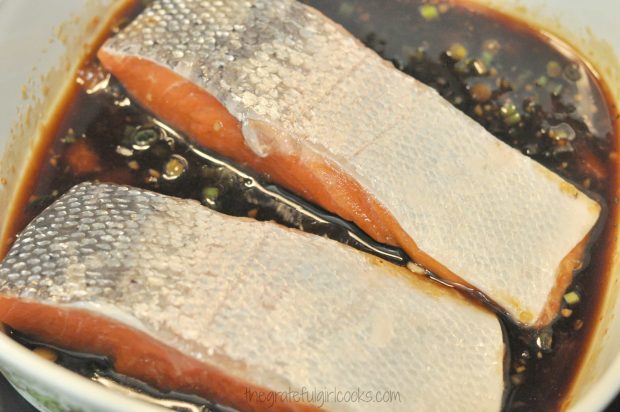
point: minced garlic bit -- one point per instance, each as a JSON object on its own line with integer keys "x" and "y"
{"x": 458, "y": 52}
{"x": 566, "y": 312}
{"x": 572, "y": 298}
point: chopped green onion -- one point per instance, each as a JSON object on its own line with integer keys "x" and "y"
{"x": 210, "y": 195}
{"x": 457, "y": 51}
{"x": 572, "y": 72}
{"x": 513, "y": 119}
{"x": 429, "y": 12}
{"x": 542, "y": 81}
{"x": 69, "y": 137}
{"x": 175, "y": 167}
{"x": 508, "y": 110}
{"x": 487, "y": 58}
{"x": 142, "y": 139}
{"x": 510, "y": 114}
{"x": 557, "y": 90}
{"x": 554, "y": 69}
{"x": 562, "y": 131}
{"x": 462, "y": 67}
{"x": 572, "y": 298}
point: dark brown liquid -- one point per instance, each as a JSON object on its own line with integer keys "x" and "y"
{"x": 503, "y": 74}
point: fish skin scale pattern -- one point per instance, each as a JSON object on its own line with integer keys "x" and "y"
{"x": 272, "y": 306}
{"x": 492, "y": 216}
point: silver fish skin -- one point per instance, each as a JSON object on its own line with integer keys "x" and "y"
{"x": 271, "y": 306}
{"x": 498, "y": 220}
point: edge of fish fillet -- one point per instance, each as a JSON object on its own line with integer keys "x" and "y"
{"x": 537, "y": 300}
{"x": 314, "y": 317}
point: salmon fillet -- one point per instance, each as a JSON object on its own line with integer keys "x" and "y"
{"x": 191, "y": 300}
{"x": 278, "y": 87}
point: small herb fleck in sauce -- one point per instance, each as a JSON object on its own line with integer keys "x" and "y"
{"x": 536, "y": 97}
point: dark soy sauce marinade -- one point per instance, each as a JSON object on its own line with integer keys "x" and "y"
{"x": 536, "y": 97}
